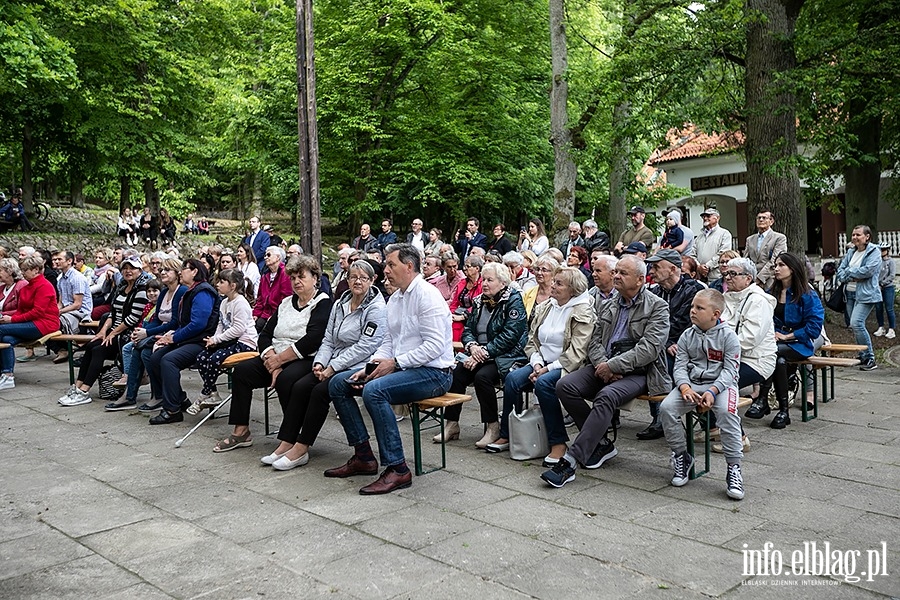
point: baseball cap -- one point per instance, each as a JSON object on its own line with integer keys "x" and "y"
{"x": 635, "y": 247}
{"x": 636, "y": 209}
{"x": 710, "y": 212}
{"x": 134, "y": 261}
{"x": 665, "y": 254}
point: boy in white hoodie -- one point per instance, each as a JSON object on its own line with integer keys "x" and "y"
{"x": 706, "y": 374}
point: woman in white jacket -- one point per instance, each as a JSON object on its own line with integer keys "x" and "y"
{"x": 750, "y": 311}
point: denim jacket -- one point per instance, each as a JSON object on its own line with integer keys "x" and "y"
{"x": 804, "y": 319}
{"x": 866, "y": 274}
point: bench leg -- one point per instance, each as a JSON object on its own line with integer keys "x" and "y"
{"x": 418, "y": 416}
{"x": 689, "y": 430}
{"x": 71, "y": 348}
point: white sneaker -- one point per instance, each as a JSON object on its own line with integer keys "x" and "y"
{"x": 77, "y": 398}
{"x": 879, "y": 332}
{"x": 65, "y": 397}
{"x": 7, "y": 382}
{"x": 890, "y": 334}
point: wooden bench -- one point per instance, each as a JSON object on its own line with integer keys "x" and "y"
{"x": 690, "y": 424}
{"x": 432, "y": 412}
{"x": 826, "y": 364}
{"x": 71, "y": 339}
{"x": 32, "y": 344}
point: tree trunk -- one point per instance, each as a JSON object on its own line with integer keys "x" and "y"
{"x": 77, "y": 186}
{"x": 862, "y": 176}
{"x": 27, "y": 184}
{"x": 125, "y": 192}
{"x": 151, "y": 195}
{"x": 308, "y": 197}
{"x": 619, "y": 170}
{"x": 565, "y": 171}
{"x": 256, "y": 200}
{"x": 771, "y": 146}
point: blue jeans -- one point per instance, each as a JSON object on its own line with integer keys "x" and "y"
{"x": 545, "y": 392}
{"x": 400, "y": 387}
{"x": 859, "y": 312}
{"x": 135, "y": 371}
{"x": 886, "y": 304}
{"x": 12, "y": 334}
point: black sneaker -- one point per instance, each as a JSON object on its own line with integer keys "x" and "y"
{"x": 568, "y": 421}
{"x": 561, "y": 473}
{"x": 735, "y": 482}
{"x": 681, "y": 467}
{"x": 604, "y": 451}
{"x": 869, "y": 365}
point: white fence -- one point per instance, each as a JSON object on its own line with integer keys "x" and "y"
{"x": 890, "y": 237}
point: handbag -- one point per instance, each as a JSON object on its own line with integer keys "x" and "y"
{"x": 108, "y": 376}
{"x": 528, "y": 434}
{"x": 625, "y": 345}
{"x": 836, "y": 301}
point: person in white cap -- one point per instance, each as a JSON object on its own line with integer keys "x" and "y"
{"x": 709, "y": 244}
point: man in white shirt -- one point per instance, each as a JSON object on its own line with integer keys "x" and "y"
{"x": 417, "y": 237}
{"x": 414, "y": 362}
{"x": 709, "y": 244}
{"x": 764, "y": 247}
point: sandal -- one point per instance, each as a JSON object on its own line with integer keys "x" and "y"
{"x": 234, "y": 441}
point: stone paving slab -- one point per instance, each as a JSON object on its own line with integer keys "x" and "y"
{"x": 102, "y": 505}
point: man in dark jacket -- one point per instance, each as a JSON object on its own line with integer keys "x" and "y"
{"x": 678, "y": 291}
{"x": 575, "y": 239}
{"x": 469, "y": 239}
{"x": 593, "y": 237}
{"x": 386, "y": 236}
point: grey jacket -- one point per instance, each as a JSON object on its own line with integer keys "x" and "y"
{"x": 708, "y": 358}
{"x": 351, "y": 338}
{"x": 649, "y": 324}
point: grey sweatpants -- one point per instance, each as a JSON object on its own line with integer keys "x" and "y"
{"x": 727, "y": 418}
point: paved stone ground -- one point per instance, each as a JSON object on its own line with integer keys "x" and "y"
{"x": 101, "y": 505}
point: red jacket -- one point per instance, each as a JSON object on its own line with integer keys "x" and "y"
{"x": 37, "y": 304}
{"x": 11, "y": 302}
{"x": 271, "y": 293}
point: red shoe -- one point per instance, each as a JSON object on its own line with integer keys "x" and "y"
{"x": 354, "y": 466}
{"x": 389, "y": 481}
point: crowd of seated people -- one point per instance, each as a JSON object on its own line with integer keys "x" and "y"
{"x": 576, "y": 325}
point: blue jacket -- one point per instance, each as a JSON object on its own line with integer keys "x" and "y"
{"x": 804, "y": 319}
{"x": 157, "y": 327}
{"x": 866, "y": 274}
{"x": 10, "y": 212}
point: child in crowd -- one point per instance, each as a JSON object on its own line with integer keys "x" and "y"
{"x": 153, "y": 289}
{"x": 706, "y": 375}
{"x": 886, "y": 281}
{"x": 235, "y": 333}
{"x": 674, "y": 235}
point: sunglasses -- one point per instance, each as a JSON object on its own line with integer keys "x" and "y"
{"x": 732, "y": 274}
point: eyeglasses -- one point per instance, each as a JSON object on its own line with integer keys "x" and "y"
{"x": 472, "y": 267}
{"x": 543, "y": 270}
{"x": 155, "y": 262}
{"x": 733, "y": 274}
{"x": 355, "y": 278}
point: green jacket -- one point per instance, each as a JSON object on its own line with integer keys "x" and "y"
{"x": 505, "y": 330}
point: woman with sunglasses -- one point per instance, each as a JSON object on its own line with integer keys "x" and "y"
{"x": 543, "y": 274}
{"x": 274, "y": 286}
{"x": 126, "y": 312}
{"x": 355, "y": 329}
{"x": 196, "y": 318}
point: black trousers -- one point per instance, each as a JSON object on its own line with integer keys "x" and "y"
{"x": 95, "y": 354}
{"x": 251, "y": 375}
{"x": 305, "y": 410}
{"x": 483, "y": 379}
